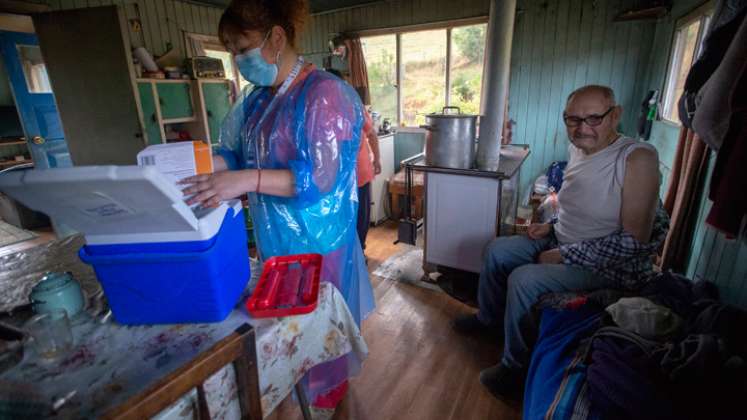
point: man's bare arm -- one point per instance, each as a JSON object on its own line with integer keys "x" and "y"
{"x": 640, "y": 193}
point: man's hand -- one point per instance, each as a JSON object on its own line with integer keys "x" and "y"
{"x": 551, "y": 256}
{"x": 377, "y": 166}
{"x": 539, "y": 230}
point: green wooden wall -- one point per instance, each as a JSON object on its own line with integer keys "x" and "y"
{"x": 163, "y": 21}
{"x": 560, "y": 45}
{"x": 383, "y": 14}
{"x": 664, "y": 135}
{"x": 715, "y": 258}
{"x": 712, "y": 256}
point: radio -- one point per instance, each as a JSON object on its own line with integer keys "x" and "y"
{"x": 202, "y": 67}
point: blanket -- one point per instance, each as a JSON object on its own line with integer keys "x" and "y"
{"x": 585, "y": 366}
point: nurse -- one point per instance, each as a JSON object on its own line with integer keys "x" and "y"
{"x": 291, "y": 142}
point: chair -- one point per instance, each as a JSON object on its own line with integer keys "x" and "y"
{"x": 398, "y": 190}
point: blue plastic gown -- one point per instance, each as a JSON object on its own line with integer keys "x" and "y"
{"x": 314, "y": 131}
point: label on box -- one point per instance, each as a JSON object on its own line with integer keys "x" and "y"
{"x": 176, "y": 161}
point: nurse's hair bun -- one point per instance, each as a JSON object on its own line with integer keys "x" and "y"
{"x": 262, "y": 15}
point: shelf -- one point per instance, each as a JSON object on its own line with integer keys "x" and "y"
{"x": 14, "y": 162}
{"x": 164, "y": 80}
{"x": 12, "y": 143}
{"x": 180, "y": 120}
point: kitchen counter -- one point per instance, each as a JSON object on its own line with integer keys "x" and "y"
{"x": 512, "y": 157}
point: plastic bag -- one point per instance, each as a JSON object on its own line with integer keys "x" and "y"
{"x": 541, "y": 186}
{"x": 314, "y": 131}
{"x": 555, "y": 175}
{"x": 549, "y": 209}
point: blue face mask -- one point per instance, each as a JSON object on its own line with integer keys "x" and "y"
{"x": 255, "y": 69}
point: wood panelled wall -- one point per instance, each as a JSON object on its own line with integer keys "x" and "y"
{"x": 712, "y": 257}
{"x": 715, "y": 258}
{"x": 383, "y": 14}
{"x": 664, "y": 135}
{"x": 560, "y": 45}
{"x": 163, "y": 21}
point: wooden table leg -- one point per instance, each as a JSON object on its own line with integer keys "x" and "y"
{"x": 247, "y": 376}
{"x": 303, "y": 401}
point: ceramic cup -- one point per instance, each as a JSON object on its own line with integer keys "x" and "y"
{"x": 57, "y": 291}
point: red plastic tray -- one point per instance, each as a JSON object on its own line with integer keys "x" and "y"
{"x": 289, "y": 285}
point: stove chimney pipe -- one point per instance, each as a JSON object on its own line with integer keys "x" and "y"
{"x": 495, "y": 82}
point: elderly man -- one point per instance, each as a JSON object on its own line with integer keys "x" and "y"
{"x": 610, "y": 222}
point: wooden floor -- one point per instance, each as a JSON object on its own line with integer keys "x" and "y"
{"x": 417, "y": 368}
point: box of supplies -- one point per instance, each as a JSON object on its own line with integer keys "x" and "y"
{"x": 178, "y": 160}
{"x": 158, "y": 260}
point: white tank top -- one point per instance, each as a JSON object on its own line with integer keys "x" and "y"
{"x": 590, "y": 200}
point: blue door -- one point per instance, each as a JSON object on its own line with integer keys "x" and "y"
{"x": 34, "y": 99}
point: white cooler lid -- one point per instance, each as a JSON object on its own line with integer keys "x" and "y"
{"x": 115, "y": 204}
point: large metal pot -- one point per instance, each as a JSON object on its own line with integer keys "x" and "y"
{"x": 450, "y": 139}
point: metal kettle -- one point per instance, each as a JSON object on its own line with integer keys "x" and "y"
{"x": 386, "y": 126}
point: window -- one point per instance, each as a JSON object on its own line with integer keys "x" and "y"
{"x": 437, "y": 67}
{"x": 688, "y": 38}
{"x": 210, "y": 46}
{"x": 232, "y": 72}
{"x": 424, "y": 75}
{"x": 467, "y": 53}
{"x": 380, "y": 53}
{"x": 34, "y": 69}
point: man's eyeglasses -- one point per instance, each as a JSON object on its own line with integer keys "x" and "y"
{"x": 592, "y": 120}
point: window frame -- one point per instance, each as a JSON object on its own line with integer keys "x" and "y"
{"x": 211, "y": 42}
{"x": 702, "y": 14}
{"x": 399, "y": 31}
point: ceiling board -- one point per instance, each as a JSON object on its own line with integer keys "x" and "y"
{"x": 316, "y": 5}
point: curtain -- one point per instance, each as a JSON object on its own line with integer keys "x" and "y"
{"x": 682, "y": 198}
{"x": 357, "y": 69}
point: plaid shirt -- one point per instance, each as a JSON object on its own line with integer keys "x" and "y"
{"x": 619, "y": 256}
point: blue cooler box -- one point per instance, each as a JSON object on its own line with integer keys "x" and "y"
{"x": 158, "y": 261}
{"x": 174, "y": 282}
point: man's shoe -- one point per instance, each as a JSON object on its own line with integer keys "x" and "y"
{"x": 469, "y": 325}
{"x": 503, "y": 382}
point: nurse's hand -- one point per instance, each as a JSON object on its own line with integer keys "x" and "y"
{"x": 210, "y": 190}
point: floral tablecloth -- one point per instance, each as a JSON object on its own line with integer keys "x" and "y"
{"x": 112, "y": 362}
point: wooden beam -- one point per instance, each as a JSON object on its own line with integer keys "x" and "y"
{"x": 22, "y": 7}
{"x": 421, "y": 26}
{"x": 16, "y": 23}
